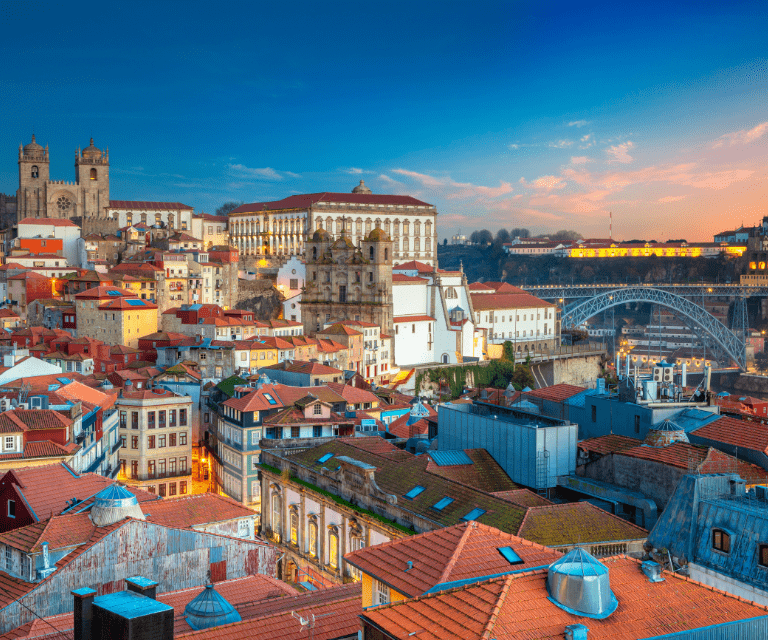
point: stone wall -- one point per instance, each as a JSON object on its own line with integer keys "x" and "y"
{"x": 261, "y": 297}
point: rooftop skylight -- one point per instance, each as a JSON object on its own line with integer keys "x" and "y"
{"x": 414, "y": 492}
{"x": 325, "y": 458}
{"x": 510, "y": 555}
{"x": 442, "y": 504}
{"x": 473, "y": 515}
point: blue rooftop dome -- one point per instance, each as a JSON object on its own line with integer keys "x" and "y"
{"x": 114, "y": 504}
{"x": 209, "y": 609}
{"x": 578, "y": 583}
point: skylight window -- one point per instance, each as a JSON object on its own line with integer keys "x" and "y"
{"x": 473, "y": 515}
{"x": 414, "y": 492}
{"x": 270, "y": 399}
{"x": 510, "y": 555}
{"x": 325, "y": 458}
{"x": 442, "y": 504}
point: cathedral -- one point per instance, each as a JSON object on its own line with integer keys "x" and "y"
{"x": 40, "y": 197}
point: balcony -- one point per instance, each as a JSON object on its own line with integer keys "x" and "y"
{"x": 116, "y": 447}
{"x": 94, "y": 467}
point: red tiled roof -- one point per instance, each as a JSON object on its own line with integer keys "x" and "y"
{"x": 400, "y": 319}
{"x": 339, "y": 329}
{"x": 603, "y": 445}
{"x": 461, "y": 552}
{"x": 413, "y": 265}
{"x": 491, "y": 301}
{"x": 698, "y": 459}
{"x": 37, "y": 418}
{"x": 401, "y": 277}
{"x": 562, "y": 524}
{"x": 400, "y": 429}
{"x": 522, "y": 497}
{"x": 59, "y": 532}
{"x": 51, "y": 222}
{"x": 353, "y": 395}
{"x": 555, "y": 393}
{"x": 300, "y": 366}
{"x": 517, "y": 606}
{"x": 139, "y": 204}
{"x": 48, "y": 449}
{"x": 302, "y": 201}
{"x": 739, "y": 433}
{"x": 103, "y": 293}
{"x": 195, "y": 510}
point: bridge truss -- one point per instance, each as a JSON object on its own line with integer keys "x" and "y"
{"x": 733, "y": 345}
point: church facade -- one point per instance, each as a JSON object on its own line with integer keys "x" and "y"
{"x": 40, "y": 197}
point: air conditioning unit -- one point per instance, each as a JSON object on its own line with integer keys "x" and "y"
{"x": 657, "y": 374}
{"x": 668, "y": 371}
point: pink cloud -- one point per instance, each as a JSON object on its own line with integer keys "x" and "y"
{"x": 580, "y": 160}
{"x": 620, "y": 152}
{"x": 456, "y": 190}
{"x": 672, "y": 199}
{"x": 745, "y": 136}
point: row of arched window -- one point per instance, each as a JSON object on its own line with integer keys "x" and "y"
{"x": 364, "y": 227}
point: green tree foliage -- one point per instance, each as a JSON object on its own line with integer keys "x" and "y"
{"x": 227, "y": 207}
{"x": 508, "y": 352}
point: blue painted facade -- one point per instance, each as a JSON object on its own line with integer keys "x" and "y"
{"x": 703, "y": 505}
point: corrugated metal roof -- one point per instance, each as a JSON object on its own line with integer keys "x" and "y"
{"x": 450, "y": 458}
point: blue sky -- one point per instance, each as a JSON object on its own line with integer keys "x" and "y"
{"x": 535, "y": 114}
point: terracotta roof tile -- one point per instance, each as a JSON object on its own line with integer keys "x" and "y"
{"x": 555, "y": 393}
{"x": 522, "y": 497}
{"x": 461, "y": 552}
{"x": 739, "y": 433}
{"x": 603, "y": 445}
{"x": 491, "y": 301}
{"x": 194, "y": 510}
{"x": 301, "y": 201}
{"x": 564, "y": 524}
{"x": 517, "y": 607}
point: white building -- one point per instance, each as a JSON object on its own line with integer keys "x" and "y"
{"x": 212, "y": 230}
{"x": 291, "y": 277}
{"x": 433, "y": 316}
{"x": 507, "y": 313}
{"x": 59, "y": 228}
{"x": 172, "y": 215}
{"x": 280, "y": 227}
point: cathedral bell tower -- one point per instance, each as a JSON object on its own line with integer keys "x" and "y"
{"x": 92, "y": 177}
{"x": 34, "y": 164}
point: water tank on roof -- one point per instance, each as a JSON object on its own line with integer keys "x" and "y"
{"x": 209, "y": 609}
{"x": 113, "y": 504}
{"x": 579, "y": 584}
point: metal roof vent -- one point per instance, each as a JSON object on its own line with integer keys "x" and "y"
{"x": 114, "y": 504}
{"x": 209, "y": 609}
{"x": 652, "y": 570}
{"x": 579, "y": 584}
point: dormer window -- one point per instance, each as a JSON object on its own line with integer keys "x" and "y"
{"x": 762, "y": 555}
{"x": 721, "y": 540}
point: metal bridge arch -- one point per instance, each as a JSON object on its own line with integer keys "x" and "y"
{"x": 722, "y": 335}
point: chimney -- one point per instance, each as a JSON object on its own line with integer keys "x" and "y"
{"x": 47, "y": 568}
{"x": 143, "y": 586}
{"x": 83, "y": 612}
{"x": 576, "y": 632}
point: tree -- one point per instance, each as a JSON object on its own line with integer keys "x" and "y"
{"x": 445, "y": 242}
{"x": 224, "y": 209}
{"x": 520, "y": 233}
{"x": 482, "y": 237}
{"x": 565, "y": 236}
{"x": 508, "y": 352}
{"x": 502, "y": 236}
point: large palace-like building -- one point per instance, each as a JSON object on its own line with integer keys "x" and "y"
{"x": 281, "y": 227}
{"x": 40, "y": 197}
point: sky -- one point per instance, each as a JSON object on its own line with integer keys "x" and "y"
{"x": 544, "y": 115}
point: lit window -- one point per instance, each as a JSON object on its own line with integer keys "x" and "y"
{"x": 721, "y": 540}
{"x": 333, "y": 551}
{"x": 294, "y": 529}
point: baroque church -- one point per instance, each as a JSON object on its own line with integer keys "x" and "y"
{"x": 40, "y": 197}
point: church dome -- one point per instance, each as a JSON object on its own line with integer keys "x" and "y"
{"x": 33, "y": 146}
{"x": 91, "y": 152}
{"x": 377, "y": 235}
{"x": 114, "y": 504}
{"x": 209, "y": 609}
{"x": 361, "y": 188}
{"x": 321, "y": 235}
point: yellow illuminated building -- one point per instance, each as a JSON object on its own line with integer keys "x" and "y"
{"x": 667, "y": 250}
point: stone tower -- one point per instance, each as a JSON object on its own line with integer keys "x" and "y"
{"x": 34, "y": 166}
{"x": 345, "y": 282}
{"x": 92, "y": 177}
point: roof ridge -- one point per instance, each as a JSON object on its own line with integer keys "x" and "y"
{"x": 456, "y": 553}
{"x": 497, "y": 608}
